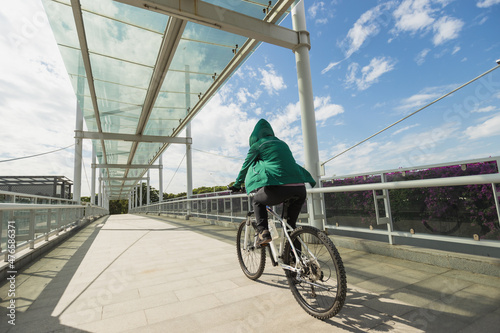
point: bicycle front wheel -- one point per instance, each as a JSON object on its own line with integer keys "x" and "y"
{"x": 321, "y": 286}
{"x": 252, "y": 260}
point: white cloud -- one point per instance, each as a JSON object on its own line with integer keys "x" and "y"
{"x": 413, "y": 149}
{"x": 446, "y": 28}
{"x": 416, "y": 101}
{"x": 487, "y": 3}
{"x": 316, "y": 8}
{"x": 490, "y": 127}
{"x": 271, "y": 81}
{"x": 455, "y": 49}
{"x": 486, "y": 109}
{"x": 330, "y": 66}
{"x": 413, "y": 15}
{"x": 243, "y": 94}
{"x": 404, "y": 129}
{"x": 368, "y": 25}
{"x": 324, "y": 109}
{"x": 419, "y": 16}
{"x": 369, "y": 74}
{"x": 420, "y": 58}
{"x": 423, "y": 97}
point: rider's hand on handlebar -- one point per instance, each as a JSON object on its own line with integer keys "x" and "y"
{"x": 234, "y": 189}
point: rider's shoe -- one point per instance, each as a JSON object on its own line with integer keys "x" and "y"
{"x": 263, "y": 238}
{"x": 293, "y": 275}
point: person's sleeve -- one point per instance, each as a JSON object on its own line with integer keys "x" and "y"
{"x": 251, "y": 157}
{"x": 307, "y": 177}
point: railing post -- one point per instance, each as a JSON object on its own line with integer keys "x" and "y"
{"x": 58, "y": 220}
{"x": 1, "y": 224}
{"x": 32, "y": 228}
{"x": 497, "y": 204}
{"x": 49, "y": 219}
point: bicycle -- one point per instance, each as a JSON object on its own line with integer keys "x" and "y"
{"x": 312, "y": 264}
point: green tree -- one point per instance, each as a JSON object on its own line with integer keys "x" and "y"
{"x": 118, "y": 206}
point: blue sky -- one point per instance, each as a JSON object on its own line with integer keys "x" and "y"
{"x": 372, "y": 64}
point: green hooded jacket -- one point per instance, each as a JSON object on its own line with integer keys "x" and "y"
{"x": 269, "y": 162}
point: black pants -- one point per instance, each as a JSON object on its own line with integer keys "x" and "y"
{"x": 274, "y": 195}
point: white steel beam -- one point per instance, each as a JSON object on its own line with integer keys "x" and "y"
{"x": 131, "y": 137}
{"x": 213, "y": 16}
{"x": 123, "y": 178}
{"x": 127, "y": 166}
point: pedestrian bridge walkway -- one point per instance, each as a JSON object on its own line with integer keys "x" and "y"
{"x": 131, "y": 273}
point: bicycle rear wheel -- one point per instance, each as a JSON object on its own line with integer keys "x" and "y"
{"x": 252, "y": 260}
{"x": 321, "y": 286}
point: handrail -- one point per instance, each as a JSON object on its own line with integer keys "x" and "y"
{"x": 14, "y": 206}
{"x": 419, "y": 167}
{"x": 34, "y": 196}
{"x": 434, "y": 182}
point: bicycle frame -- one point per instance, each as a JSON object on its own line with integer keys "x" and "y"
{"x": 275, "y": 257}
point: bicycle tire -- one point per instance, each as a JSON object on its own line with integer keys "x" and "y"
{"x": 252, "y": 261}
{"x": 327, "y": 296}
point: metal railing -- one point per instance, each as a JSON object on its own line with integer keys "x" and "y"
{"x": 384, "y": 186}
{"x": 28, "y": 219}
{"x": 22, "y": 198}
{"x": 226, "y": 207}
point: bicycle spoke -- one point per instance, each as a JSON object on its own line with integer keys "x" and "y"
{"x": 320, "y": 286}
{"x": 252, "y": 260}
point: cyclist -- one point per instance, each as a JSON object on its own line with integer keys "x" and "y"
{"x": 271, "y": 171}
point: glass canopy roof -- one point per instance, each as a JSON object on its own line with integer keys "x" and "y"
{"x": 141, "y": 70}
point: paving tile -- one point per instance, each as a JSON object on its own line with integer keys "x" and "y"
{"x": 486, "y": 280}
{"x": 440, "y": 284}
{"x": 383, "y": 284}
{"x": 182, "y": 308}
{"x": 414, "y": 297}
{"x": 396, "y": 324}
{"x": 115, "y": 324}
{"x": 204, "y": 289}
{"x": 433, "y": 321}
{"x": 389, "y": 306}
{"x": 487, "y": 323}
{"x": 112, "y": 310}
{"x": 463, "y": 304}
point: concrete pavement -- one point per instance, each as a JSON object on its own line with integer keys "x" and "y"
{"x": 129, "y": 273}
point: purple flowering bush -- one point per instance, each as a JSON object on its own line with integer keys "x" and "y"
{"x": 452, "y": 210}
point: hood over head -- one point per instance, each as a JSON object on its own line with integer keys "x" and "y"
{"x": 261, "y": 130}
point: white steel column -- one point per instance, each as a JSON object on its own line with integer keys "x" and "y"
{"x": 92, "y": 185}
{"x": 160, "y": 176}
{"x": 140, "y": 193}
{"x": 134, "y": 197}
{"x": 306, "y": 101}
{"x": 148, "y": 190}
{"x": 189, "y": 160}
{"x": 99, "y": 196}
{"x": 77, "y": 176}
